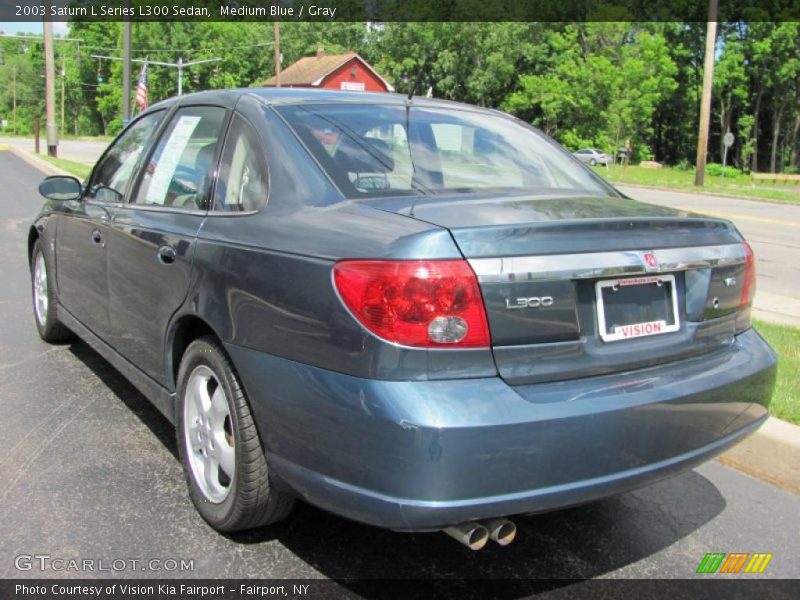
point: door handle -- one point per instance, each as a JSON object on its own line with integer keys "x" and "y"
{"x": 97, "y": 238}
{"x": 166, "y": 255}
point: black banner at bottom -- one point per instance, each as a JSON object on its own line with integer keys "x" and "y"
{"x": 313, "y": 589}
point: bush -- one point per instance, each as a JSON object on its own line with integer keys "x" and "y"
{"x": 642, "y": 152}
{"x": 573, "y": 141}
{"x": 114, "y": 127}
{"x": 715, "y": 170}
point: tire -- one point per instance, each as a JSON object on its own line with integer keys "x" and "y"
{"x": 592, "y": 162}
{"x": 44, "y": 300}
{"x": 219, "y": 445}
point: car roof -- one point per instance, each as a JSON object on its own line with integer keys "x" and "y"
{"x": 270, "y": 95}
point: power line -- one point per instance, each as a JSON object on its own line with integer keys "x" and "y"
{"x": 180, "y": 65}
{"x": 40, "y": 38}
{"x": 143, "y": 50}
{"x": 183, "y": 50}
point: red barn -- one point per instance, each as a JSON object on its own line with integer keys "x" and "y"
{"x": 346, "y": 71}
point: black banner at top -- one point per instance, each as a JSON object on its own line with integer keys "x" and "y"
{"x": 398, "y": 10}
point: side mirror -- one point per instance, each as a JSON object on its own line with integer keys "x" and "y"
{"x": 61, "y": 188}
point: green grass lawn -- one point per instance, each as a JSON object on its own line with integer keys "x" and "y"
{"x": 786, "y": 341}
{"x": 80, "y": 170}
{"x": 672, "y": 178}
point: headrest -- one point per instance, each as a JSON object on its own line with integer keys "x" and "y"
{"x": 205, "y": 156}
{"x": 365, "y": 155}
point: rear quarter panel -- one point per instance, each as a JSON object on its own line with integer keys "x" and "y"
{"x": 264, "y": 281}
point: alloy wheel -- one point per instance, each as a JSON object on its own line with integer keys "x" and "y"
{"x": 208, "y": 434}
{"x": 40, "y": 288}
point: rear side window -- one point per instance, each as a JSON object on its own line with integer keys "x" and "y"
{"x": 182, "y": 167}
{"x": 113, "y": 174}
{"x": 243, "y": 182}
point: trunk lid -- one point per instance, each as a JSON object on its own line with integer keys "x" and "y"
{"x": 581, "y": 286}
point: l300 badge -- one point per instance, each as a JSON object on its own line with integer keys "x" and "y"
{"x": 532, "y": 302}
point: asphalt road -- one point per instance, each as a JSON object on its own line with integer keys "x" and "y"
{"x": 773, "y": 231}
{"x": 89, "y": 471}
{"x": 84, "y": 151}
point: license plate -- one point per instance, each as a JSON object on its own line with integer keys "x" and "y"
{"x": 636, "y": 307}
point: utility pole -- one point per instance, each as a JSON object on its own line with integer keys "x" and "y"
{"x": 705, "y": 102}
{"x": 14, "y": 94}
{"x": 277, "y": 32}
{"x": 50, "y": 91}
{"x": 126, "y": 69}
{"x": 180, "y": 76}
{"x": 63, "y": 86}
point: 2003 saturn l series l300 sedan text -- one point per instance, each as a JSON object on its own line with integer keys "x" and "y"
{"x": 416, "y": 314}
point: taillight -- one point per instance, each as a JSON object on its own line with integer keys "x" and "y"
{"x": 432, "y": 303}
{"x": 749, "y": 285}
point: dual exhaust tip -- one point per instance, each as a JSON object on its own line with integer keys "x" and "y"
{"x": 475, "y": 535}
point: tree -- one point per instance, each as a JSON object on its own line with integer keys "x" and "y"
{"x": 730, "y": 81}
{"x": 747, "y": 140}
{"x": 674, "y": 138}
{"x": 470, "y": 62}
{"x": 783, "y": 78}
{"x": 587, "y": 84}
{"x": 602, "y": 85}
{"x": 27, "y": 61}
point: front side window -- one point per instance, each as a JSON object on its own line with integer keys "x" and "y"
{"x": 182, "y": 167}
{"x": 242, "y": 184}
{"x": 385, "y": 150}
{"x": 114, "y": 172}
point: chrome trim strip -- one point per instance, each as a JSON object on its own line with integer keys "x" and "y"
{"x": 603, "y": 264}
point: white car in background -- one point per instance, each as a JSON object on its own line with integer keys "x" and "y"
{"x": 592, "y": 157}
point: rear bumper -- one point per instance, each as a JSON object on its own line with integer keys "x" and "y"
{"x": 422, "y": 455}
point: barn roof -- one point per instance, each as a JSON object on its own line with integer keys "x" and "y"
{"x": 311, "y": 70}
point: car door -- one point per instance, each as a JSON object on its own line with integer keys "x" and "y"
{"x": 152, "y": 238}
{"x": 83, "y": 228}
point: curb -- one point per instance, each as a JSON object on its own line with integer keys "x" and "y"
{"x": 775, "y": 308}
{"x": 772, "y": 453}
{"x": 701, "y": 192}
{"x": 776, "y": 318}
{"x": 36, "y": 162}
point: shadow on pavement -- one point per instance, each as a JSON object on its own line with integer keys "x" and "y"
{"x": 128, "y": 394}
{"x": 577, "y": 543}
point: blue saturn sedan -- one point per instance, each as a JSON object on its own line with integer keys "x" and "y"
{"x": 415, "y": 314}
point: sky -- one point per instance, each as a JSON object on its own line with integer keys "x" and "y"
{"x": 59, "y": 28}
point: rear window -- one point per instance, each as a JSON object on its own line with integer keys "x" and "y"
{"x": 382, "y": 150}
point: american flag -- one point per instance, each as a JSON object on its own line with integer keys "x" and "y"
{"x": 141, "y": 88}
